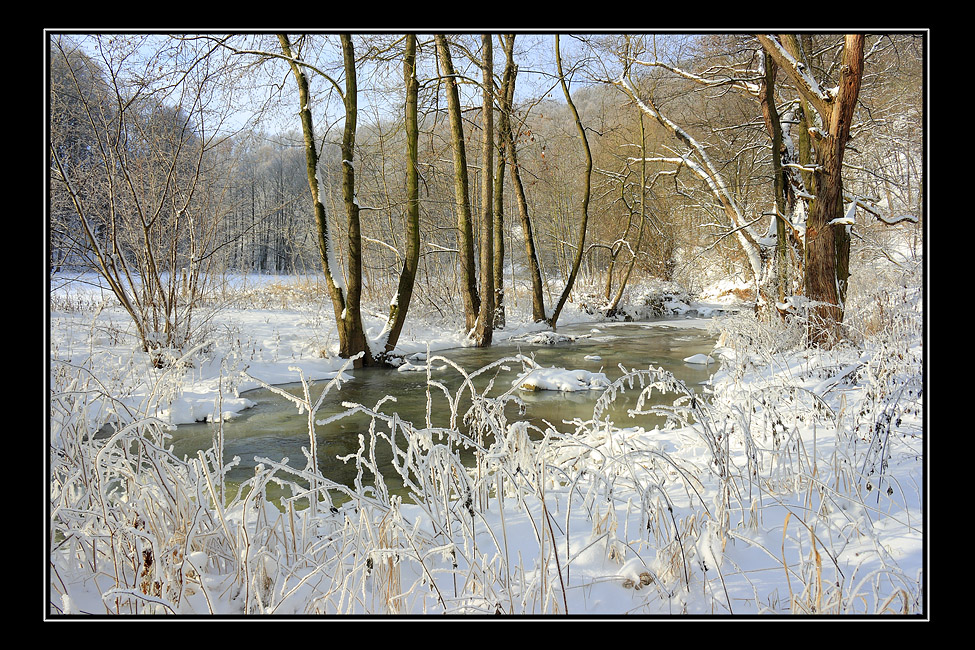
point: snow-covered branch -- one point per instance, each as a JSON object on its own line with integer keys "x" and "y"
{"x": 706, "y": 171}
{"x": 740, "y": 83}
{"x": 857, "y": 201}
{"x": 807, "y": 85}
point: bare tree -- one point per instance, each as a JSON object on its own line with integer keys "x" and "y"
{"x": 642, "y": 216}
{"x": 698, "y": 161}
{"x": 145, "y": 218}
{"x": 506, "y": 133}
{"x": 829, "y": 115}
{"x": 345, "y": 299}
{"x": 586, "y": 193}
{"x": 400, "y": 304}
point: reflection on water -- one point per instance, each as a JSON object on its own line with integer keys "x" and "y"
{"x": 274, "y": 428}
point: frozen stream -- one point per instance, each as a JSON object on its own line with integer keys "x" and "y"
{"x": 274, "y": 428}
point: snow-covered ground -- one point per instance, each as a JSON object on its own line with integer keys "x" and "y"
{"x": 796, "y": 487}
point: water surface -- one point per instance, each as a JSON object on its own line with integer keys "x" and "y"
{"x": 274, "y": 428}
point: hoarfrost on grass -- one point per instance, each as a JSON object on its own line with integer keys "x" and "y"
{"x": 793, "y": 485}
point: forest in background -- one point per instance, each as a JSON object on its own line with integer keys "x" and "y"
{"x": 179, "y": 159}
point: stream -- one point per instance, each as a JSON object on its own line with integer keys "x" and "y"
{"x": 275, "y": 429}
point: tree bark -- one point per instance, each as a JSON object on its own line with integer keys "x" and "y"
{"x": 485, "y": 323}
{"x": 404, "y": 293}
{"x": 508, "y": 140}
{"x": 586, "y": 191}
{"x": 465, "y": 234}
{"x": 826, "y": 249}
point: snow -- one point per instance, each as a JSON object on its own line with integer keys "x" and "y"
{"x": 774, "y": 497}
{"x": 561, "y": 379}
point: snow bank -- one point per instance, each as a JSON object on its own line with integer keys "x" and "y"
{"x": 561, "y": 379}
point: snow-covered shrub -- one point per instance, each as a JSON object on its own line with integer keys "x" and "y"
{"x": 729, "y": 291}
{"x": 125, "y": 513}
{"x": 828, "y": 430}
{"x": 650, "y": 299}
{"x": 658, "y": 299}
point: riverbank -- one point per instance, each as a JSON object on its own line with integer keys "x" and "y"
{"x": 272, "y": 330}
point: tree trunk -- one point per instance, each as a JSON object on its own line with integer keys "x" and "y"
{"x": 465, "y": 234}
{"x": 584, "y": 208}
{"x": 499, "y": 308}
{"x": 401, "y": 303}
{"x": 504, "y": 124}
{"x": 508, "y": 139}
{"x": 350, "y": 320}
{"x": 779, "y": 181}
{"x": 352, "y": 339}
{"x": 827, "y": 255}
{"x": 485, "y": 322}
